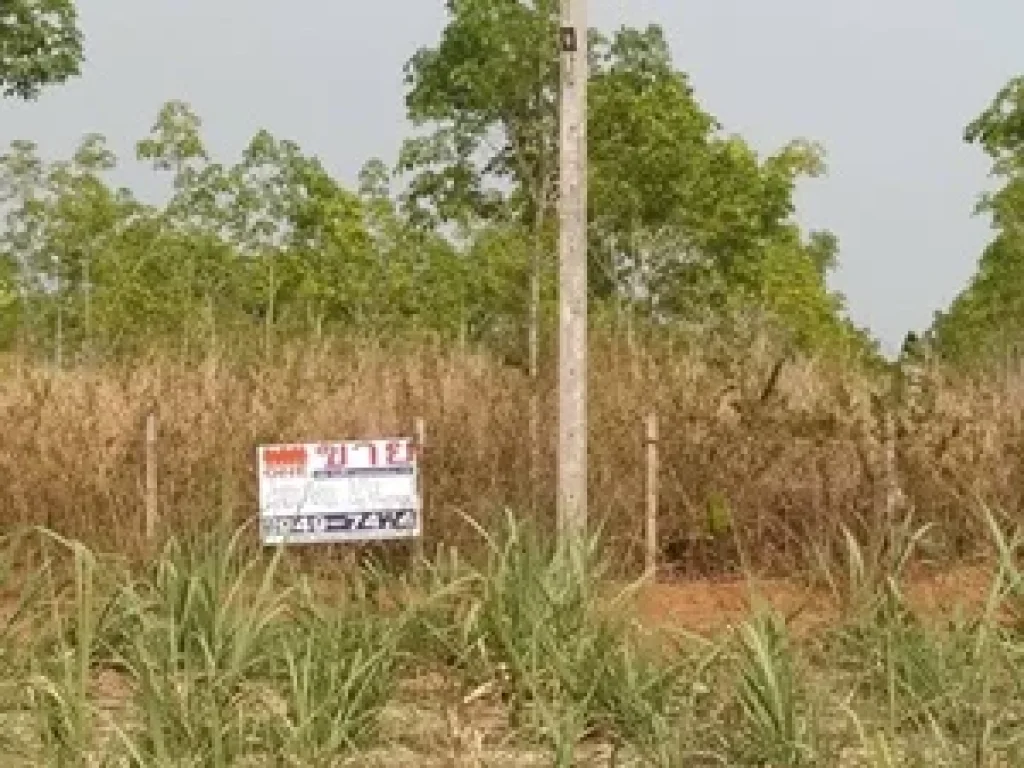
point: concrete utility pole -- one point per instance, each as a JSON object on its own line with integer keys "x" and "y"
{"x": 572, "y": 251}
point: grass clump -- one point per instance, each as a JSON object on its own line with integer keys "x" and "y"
{"x": 220, "y": 654}
{"x": 534, "y": 625}
{"x": 336, "y": 671}
{"x": 775, "y": 727}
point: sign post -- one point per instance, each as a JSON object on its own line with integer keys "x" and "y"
{"x": 339, "y": 492}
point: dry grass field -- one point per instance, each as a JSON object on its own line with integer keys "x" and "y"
{"x": 839, "y": 578}
{"x": 760, "y": 466}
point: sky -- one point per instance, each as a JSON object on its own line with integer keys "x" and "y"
{"x": 886, "y": 86}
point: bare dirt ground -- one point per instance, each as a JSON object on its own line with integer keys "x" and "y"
{"x": 708, "y": 606}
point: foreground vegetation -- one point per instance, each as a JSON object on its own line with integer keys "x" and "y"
{"x": 215, "y": 654}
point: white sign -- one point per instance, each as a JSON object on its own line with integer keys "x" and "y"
{"x": 321, "y": 493}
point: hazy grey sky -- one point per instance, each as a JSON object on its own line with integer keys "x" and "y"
{"x": 886, "y": 85}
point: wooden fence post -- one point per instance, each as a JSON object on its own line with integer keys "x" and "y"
{"x": 151, "y": 477}
{"x": 421, "y": 445}
{"x": 651, "y": 570}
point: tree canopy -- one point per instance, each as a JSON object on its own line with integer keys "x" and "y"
{"x": 685, "y": 222}
{"x": 985, "y": 323}
{"x": 40, "y": 45}
{"x": 689, "y": 227}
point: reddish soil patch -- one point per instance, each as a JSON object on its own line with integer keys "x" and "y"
{"x": 940, "y": 594}
{"x": 708, "y": 606}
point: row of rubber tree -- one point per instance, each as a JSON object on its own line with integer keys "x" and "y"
{"x": 690, "y": 229}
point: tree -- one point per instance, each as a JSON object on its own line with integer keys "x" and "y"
{"x": 430, "y": 285}
{"x": 684, "y": 222}
{"x": 9, "y": 295}
{"x": 648, "y": 152}
{"x": 985, "y": 322}
{"x": 489, "y": 93}
{"x": 40, "y": 46}
{"x": 193, "y": 225}
{"x": 63, "y": 224}
{"x": 687, "y": 223}
{"x": 22, "y": 180}
{"x": 999, "y": 129}
{"x": 175, "y": 144}
{"x": 81, "y": 211}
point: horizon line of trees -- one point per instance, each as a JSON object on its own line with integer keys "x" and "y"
{"x": 691, "y": 231}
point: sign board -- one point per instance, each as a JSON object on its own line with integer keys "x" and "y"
{"x": 324, "y": 493}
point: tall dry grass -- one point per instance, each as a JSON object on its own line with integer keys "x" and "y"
{"x": 761, "y": 464}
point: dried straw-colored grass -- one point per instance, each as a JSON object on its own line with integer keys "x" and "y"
{"x": 756, "y": 469}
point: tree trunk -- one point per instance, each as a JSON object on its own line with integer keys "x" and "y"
{"x": 87, "y": 290}
{"x": 211, "y": 321}
{"x": 24, "y": 321}
{"x": 188, "y": 323}
{"x": 58, "y": 352}
{"x": 536, "y": 264}
{"x": 268, "y": 322}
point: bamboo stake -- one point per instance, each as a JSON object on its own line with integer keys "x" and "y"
{"x": 421, "y": 444}
{"x": 151, "y": 477}
{"x": 652, "y": 496}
